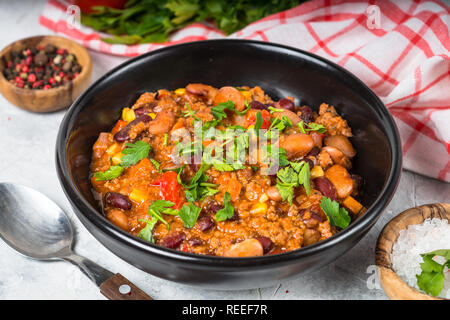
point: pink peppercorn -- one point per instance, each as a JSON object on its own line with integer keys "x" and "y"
{"x": 31, "y": 78}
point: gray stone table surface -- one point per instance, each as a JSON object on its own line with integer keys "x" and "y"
{"x": 27, "y": 143}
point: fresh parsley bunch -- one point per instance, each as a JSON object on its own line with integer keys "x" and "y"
{"x": 143, "y": 21}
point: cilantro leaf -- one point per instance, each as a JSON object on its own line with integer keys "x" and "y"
{"x": 158, "y": 207}
{"x": 198, "y": 188}
{"x": 316, "y": 127}
{"x": 112, "y": 173}
{"x": 155, "y": 163}
{"x": 258, "y": 123}
{"x": 431, "y": 280}
{"x": 228, "y": 211}
{"x": 189, "y": 214}
{"x": 304, "y": 177}
{"x": 146, "y": 233}
{"x": 286, "y": 191}
{"x": 134, "y": 152}
{"x": 337, "y": 216}
{"x": 287, "y": 180}
{"x": 219, "y": 110}
{"x": 312, "y": 126}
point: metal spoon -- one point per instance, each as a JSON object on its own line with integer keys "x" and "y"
{"x": 35, "y": 226}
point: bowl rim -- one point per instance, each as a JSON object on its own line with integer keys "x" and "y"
{"x": 52, "y": 91}
{"x": 99, "y": 221}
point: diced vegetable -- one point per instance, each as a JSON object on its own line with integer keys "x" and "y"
{"x": 259, "y": 208}
{"x": 170, "y": 189}
{"x": 138, "y": 195}
{"x": 351, "y": 204}
{"x": 128, "y": 115}
{"x": 317, "y": 172}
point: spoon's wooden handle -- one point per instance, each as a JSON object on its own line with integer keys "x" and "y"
{"x": 120, "y": 288}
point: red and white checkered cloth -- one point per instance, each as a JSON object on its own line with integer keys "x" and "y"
{"x": 406, "y": 60}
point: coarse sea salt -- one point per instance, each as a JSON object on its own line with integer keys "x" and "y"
{"x": 431, "y": 235}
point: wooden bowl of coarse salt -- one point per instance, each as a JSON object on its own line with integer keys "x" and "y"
{"x": 416, "y": 231}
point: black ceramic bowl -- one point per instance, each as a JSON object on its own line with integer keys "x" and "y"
{"x": 281, "y": 71}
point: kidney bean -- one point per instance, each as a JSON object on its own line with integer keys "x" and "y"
{"x": 286, "y": 104}
{"x": 341, "y": 143}
{"x": 326, "y": 187}
{"x": 258, "y": 105}
{"x": 194, "y": 166}
{"x": 246, "y": 248}
{"x": 173, "y": 240}
{"x": 266, "y": 243}
{"x": 314, "y": 152}
{"x": 310, "y": 237}
{"x": 340, "y": 178}
{"x": 297, "y": 145}
{"x": 309, "y": 161}
{"x": 119, "y": 218}
{"x": 195, "y": 242}
{"x": 118, "y": 200}
{"x": 358, "y": 184}
{"x": 205, "y": 223}
{"x": 140, "y": 111}
{"x": 201, "y": 90}
{"x": 306, "y": 114}
{"x": 124, "y": 134}
{"x": 213, "y": 207}
{"x": 273, "y": 193}
{"x": 235, "y": 216}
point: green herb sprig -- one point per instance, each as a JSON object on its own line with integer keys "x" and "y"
{"x": 431, "y": 279}
{"x": 337, "y": 216}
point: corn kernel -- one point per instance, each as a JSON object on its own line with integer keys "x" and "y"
{"x": 113, "y": 149}
{"x": 247, "y": 95}
{"x": 251, "y": 126}
{"x": 316, "y": 172}
{"x": 152, "y": 115}
{"x": 117, "y": 158}
{"x": 259, "y": 208}
{"x": 138, "y": 195}
{"x": 180, "y": 91}
{"x": 263, "y": 198}
{"x": 128, "y": 115}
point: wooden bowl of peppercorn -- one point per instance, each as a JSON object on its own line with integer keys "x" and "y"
{"x": 44, "y": 73}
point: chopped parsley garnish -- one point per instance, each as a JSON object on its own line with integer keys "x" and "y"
{"x": 311, "y": 127}
{"x": 189, "y": 214}
{"x": 287, "y": 180}
{"x": 146, "y": 233}
{"x": 112, "y": 173}
{"x": 228, "y": 211}
{"x": 277, "y": 126}
{"x": 337, "y": 216}
{"x": 166, "y": 136}
{"x": 189, "y": 113}
{"x": 258, "y": 123}
{"x": 293, "y": 176}
{"x": 158, "y": 207}
{"x": 219, "y": 110}
{"x": 198, "y": 188}
{"x": 155, "y": 163}
{"x": 304, "y": 176}
{"x": 134, "y": 152}
{"x": 431, "y": 280}
{"x": 273, "y": 110}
